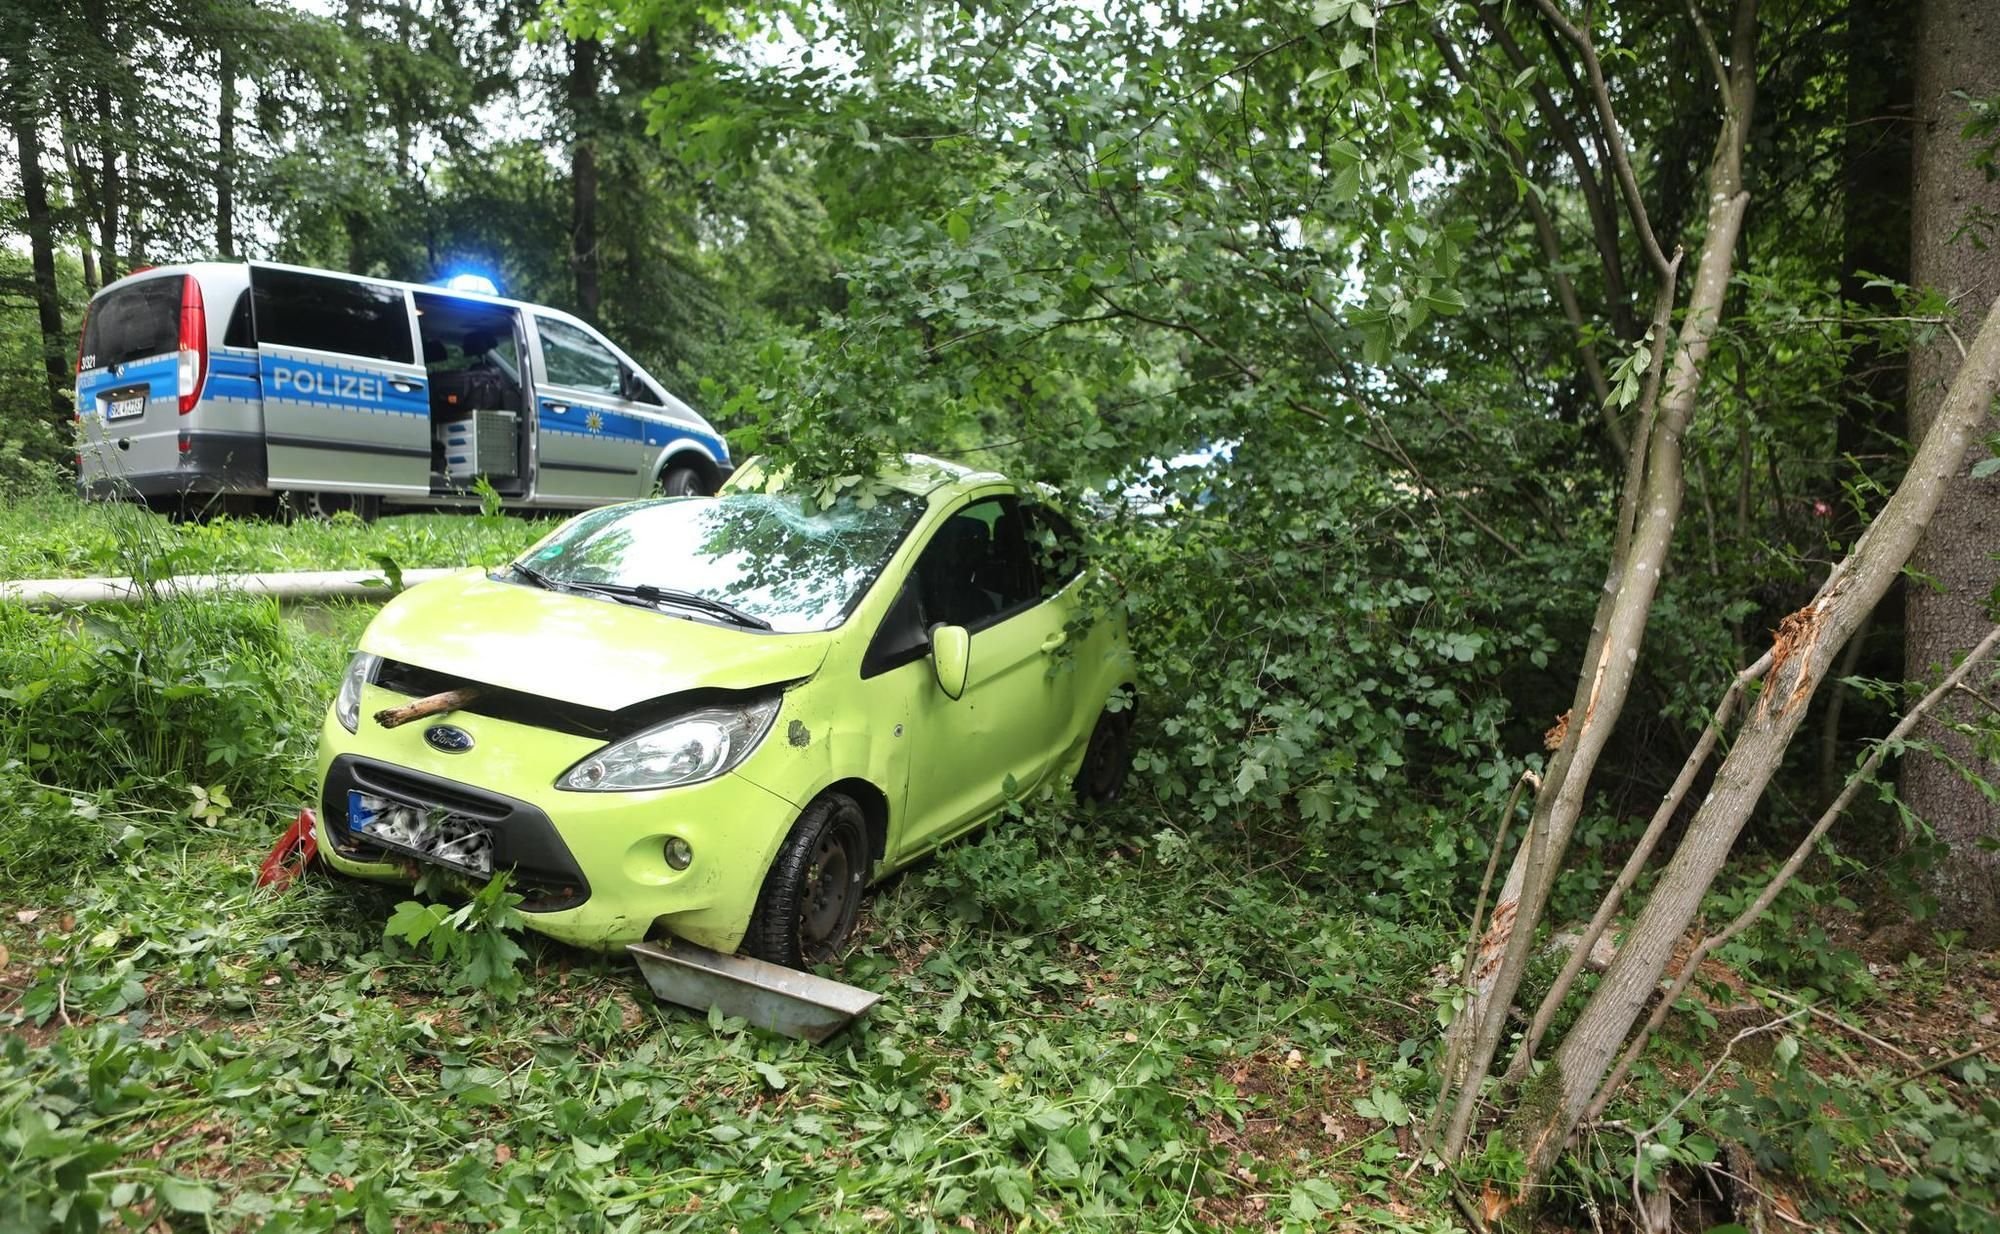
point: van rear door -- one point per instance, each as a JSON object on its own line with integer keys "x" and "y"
{"x": 346, "y": 406}
{"x": 128, "y": 380}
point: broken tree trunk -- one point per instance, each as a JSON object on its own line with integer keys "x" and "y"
{"x": 1650, "y": 508}
{"x": 1804, "y": 649}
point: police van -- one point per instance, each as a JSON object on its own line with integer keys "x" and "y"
{"x": 252, "y": 382}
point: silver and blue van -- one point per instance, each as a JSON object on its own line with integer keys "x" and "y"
{"x": 253, "y": 381}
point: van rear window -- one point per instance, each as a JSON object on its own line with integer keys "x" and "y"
{"x": 331, "y": 314}
{"x": 133, "y": 322}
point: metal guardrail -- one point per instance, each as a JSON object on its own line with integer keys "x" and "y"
{"x": 296, "y": 585}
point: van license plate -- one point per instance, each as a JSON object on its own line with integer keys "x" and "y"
{"x": 125, "y": 408}
{"x": 432, "y": 835}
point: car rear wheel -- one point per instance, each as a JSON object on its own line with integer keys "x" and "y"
{"x": 1107, "y": 760}
{"x": 318, "y": 507}
{"x": 813, "y": 890}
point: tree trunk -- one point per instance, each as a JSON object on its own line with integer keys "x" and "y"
{"x": 40, "y": 226}
{"x": 110, "y": 186}
{"x": 225, "y": 160}
{"x": 1954, "y": 564}
{"x": 1655, "y": 487}
{"x": 81, "y": 196}
{"x": 1875, "y": 244}
{"x": 583, "y": 175}
{"x": 1802, "y": 653}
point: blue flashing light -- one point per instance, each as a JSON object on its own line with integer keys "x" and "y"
{"x": 472, "y": 282}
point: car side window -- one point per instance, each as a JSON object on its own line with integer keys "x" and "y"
{"x": 979, "y": 567}
{"x": 1057, "y": 547}
{"x": 576, "y": 360}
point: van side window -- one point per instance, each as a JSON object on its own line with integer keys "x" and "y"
{"x": 331, "y": 314}
{"x": 638, "y": 391}
{"x": 241, "y": 333}
{"x": 576, "y": 360}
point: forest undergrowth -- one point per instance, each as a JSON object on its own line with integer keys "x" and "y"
{"x": 1169, "y": 1014}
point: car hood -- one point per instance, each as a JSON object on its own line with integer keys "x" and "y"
{"x": 596, "y": 652}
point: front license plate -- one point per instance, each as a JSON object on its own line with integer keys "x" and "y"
{"x": 125, "y": 408}
{"x": 434, "y": 835}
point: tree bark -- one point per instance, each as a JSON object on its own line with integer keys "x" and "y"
{"x": 1956, "y": 253}
{"x": 1654, "y": 489}
{"x": 1806, "y": 644}
{"x": 583, "y": 175}
{"x": 110, "y": 185}
{"x": 225, "y": 160}
{"x": 25, "y": 120}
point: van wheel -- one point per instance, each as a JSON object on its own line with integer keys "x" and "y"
{"x": 681, "y": 481}
{"x": 813, "y": 890}
{"x": 318, "y": 507}
{"x": 1107, "y": 760}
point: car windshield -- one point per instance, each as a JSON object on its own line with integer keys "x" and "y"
{"x": 758, "y": 553}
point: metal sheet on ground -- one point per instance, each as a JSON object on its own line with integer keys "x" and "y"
{"x": 771, "y": 996}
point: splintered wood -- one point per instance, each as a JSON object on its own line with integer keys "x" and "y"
{"x": 417, "y": 709}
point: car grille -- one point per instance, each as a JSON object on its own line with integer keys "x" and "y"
{"x": 524, "y": 840}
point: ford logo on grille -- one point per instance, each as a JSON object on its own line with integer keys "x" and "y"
{"x": 448, "y": 738}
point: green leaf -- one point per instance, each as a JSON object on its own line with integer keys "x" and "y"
{"x": 958, "y": 228}
{"x": 413, "y": 922}
{"x": 185, "y": 1196}
{"x": 588, "y": 1154}
{"x": 1383, "y": 1106}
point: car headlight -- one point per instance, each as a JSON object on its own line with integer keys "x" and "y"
{"x": 697, "y": 746}
{"x": 347, "y": 703}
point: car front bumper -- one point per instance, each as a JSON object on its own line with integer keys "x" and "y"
{"x": 592, "y": 865}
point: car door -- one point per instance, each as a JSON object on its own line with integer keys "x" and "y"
{"x": 596, "y": 444}
{"x": 980, "y": 571}
{"x": 346, "y": 402}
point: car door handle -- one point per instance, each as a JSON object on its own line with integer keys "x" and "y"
{"x": 1055, "y": 640}
{"x": 556, "y": 409}
{"x": 405, "y": 385}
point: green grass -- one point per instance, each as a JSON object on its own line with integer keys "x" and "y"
{"x": 1090, "y": 1021}
{"x": 56, "y": 536}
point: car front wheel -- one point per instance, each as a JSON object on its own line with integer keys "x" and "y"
{"x": 813, "y": 890}
{"x": 682, "y": 482}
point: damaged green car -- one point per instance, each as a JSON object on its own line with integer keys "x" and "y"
{"x": 723, "y": 717}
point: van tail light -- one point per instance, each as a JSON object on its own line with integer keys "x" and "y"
{"x": 194, "y": 343}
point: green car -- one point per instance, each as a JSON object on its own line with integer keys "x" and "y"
{"x": 723, "y": 717}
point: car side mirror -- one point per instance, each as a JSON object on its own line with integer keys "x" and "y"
{"x": 951, "y": 658}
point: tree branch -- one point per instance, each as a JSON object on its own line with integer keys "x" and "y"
{"x": 1620, "y": 160}
{"x": 1603, "y": 221}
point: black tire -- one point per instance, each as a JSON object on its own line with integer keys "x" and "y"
{"x": 1107, "y": 760}
{"x": 318, "y": 507}
{"x": 682, "y": 481}
{"x": 813, "y": 890}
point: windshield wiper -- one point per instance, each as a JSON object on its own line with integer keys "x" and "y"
{"x": 646, "y": 593}
{"x": 535, "y": 576}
